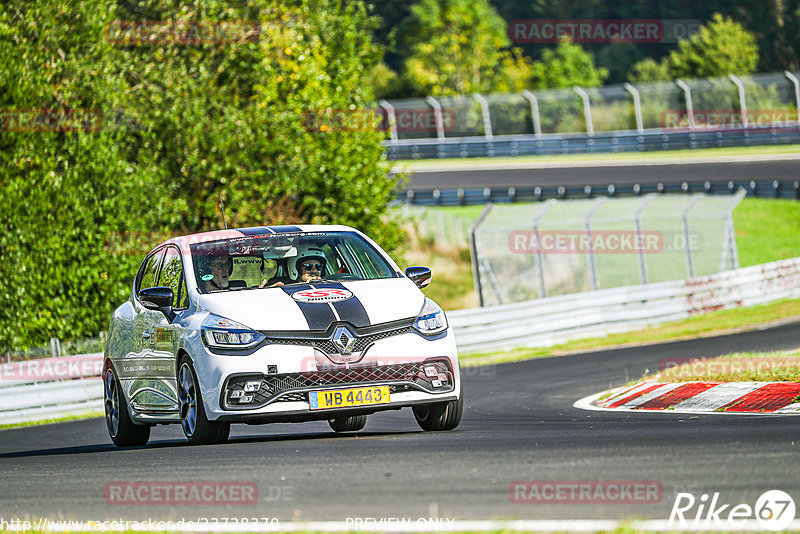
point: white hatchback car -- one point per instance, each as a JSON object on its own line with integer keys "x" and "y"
{"x": 276, "y": 324}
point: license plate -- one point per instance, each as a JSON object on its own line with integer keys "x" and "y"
{"x": 320, "y": 400}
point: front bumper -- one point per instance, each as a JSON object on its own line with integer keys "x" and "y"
{"x": 280, "y": 377}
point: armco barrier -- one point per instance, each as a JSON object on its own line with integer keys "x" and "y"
{"x": 539, "y": 322}
{"x": 601, "y": 142}
{"x": 789, "y": 189}
{"x": 33, "y": 390}
{"x": 553, "y": 320}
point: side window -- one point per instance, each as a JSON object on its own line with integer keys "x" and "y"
{"x": 147, "y": 276}
{"x": 172, "y": 276}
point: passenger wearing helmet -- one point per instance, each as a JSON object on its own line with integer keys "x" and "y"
{"x": 214, "y": 272}
{"x": 309, "y": 265}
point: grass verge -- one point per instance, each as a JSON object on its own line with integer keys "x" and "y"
{"x": 778, "y": 366}
{"x": 708, "y": 325}
{"x": 66, "y": 418}
{"x": 623, "y": 156}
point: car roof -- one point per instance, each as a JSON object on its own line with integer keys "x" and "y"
{"x": 217, "y": 235}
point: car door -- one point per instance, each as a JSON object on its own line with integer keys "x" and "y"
{"x": 159, "y": 387}
{"x": 135, "y": 370}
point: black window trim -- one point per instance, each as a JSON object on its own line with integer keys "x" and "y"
{"x": 140, "y": 274}
{"x": 182, "y": 284}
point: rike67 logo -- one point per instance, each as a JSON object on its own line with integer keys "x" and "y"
{"x": 774, "y": 510}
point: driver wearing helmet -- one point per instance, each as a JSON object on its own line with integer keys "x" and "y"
{"x": 309, "y": 266}
{"x": 214, "y": 272}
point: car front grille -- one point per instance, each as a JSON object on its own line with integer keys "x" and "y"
{"x": 326, "y": 345}
{"x": 295, "y": 386}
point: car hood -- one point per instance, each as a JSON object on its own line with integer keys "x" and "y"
{"x": 315, "y": 306}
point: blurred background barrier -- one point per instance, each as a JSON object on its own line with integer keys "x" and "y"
{"x": 555, "y": 320}
{"x": 465, "y": 197}
{"x": 50, "y": 388}
{"x": 759, "y": 109}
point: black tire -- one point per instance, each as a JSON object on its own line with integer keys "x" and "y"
{"x": 196, "y": 426}
{"x": 121, "y": 428}
{"x": 441, "y": 416}
{"x": 353, "y": 423}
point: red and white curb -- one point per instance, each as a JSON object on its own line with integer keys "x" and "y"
{"x": 699, "y": 397}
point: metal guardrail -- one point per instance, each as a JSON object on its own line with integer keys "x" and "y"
{"x": 539, "y": 322}
{"x": 789, "y": 189}
{"x": 47, "y": 400}
{"x": 46, "y": 388}
{"x": 601, "y": 142}
{"x": 555, "y": 320}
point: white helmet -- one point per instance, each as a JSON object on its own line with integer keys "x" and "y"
{"x": 305, "y": 252}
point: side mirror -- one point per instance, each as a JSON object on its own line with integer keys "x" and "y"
{"x": 421, "y": 276}
{"x": 158, "y": 299}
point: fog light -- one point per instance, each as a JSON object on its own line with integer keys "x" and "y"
{"x": 431, "y": 371}
{"x": 237, "y": 394}
{"x": 245, "y": 399}
{"x": 252, "y": 386}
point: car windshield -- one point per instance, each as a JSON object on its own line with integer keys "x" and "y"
{"x": 271, "y": 260}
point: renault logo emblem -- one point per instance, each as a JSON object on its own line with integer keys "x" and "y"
{"x": 343, "y": 340}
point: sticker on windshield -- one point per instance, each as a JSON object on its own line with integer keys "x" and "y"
{"x": 322, "y": 295}
{"x": 207, "y": 277}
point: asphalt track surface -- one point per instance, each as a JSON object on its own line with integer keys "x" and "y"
{"x": 519, "y": 424}
{"x": 607, "y": 173}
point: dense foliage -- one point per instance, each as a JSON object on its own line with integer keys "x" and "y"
{"x": 161, "y": 124}
{"x": 774, "y": 25}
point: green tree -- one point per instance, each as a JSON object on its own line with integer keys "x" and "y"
{"x": 460, "y": 47}
{"x": 649, "y": 70}
{"x": 178, "y": 122}
{"x": 721, "y": 47}
{"x": 567, "y": 65}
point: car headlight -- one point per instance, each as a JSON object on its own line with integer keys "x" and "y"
{"x": 222, "y": 333}
{"x": 431, "y": 319}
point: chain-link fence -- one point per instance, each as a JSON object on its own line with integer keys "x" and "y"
{"x": 438, "y": 225}
{"x": 524, "y": 252}
{"x": 57, "y": 348}
{"x": 761, "y": 100}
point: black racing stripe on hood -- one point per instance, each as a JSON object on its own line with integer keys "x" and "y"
{"x": 351, "y": 310}
{"x": 284, "y": 229}
{"x": 258, "y": 230}
{"x": 319, "y": 315}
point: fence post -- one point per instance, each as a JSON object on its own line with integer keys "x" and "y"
{"x": 729, "y": 239}
{"x": 390, "y": 117}
{"x": 437, "y": 114}
{"x": 687, "y": 95}
{"x": 55, "y": 347}
{"x": 637, "y": 106}
{"x": 587, "y": 109}
{"x": 686, "y": 242}
{"x": 742, "y": 98}
{"x": 792, "y": 78}
{"x": 587, "y": 224}
{"x": 539, "y": 259}
{"x": 537, "y": 121}
{"x": 476, "y": 275}
{"x": 487, "y": 118}
{"x": 637, "y": 221}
